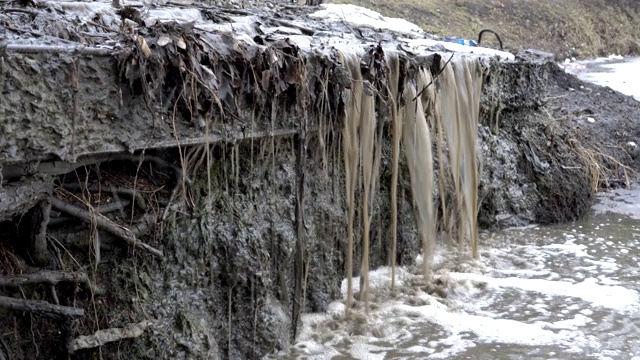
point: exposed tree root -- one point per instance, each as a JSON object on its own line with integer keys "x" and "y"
{"x": 40, "y": 307}
{"x": 115, "y": 190}
{"x": 143, "y": 226}
{"x": 18, "y": 197}
{"x": 4, "y": 351}
{"x": 107, "y": 225}
{"x": 101, "y": 337}
{"x": 102, "y": 209}
{"x": 48, "y": 277}
{"x": 33, "y": 227}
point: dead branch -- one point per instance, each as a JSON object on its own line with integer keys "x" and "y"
{"x": 304, "y": 30}
{"x": 51, "y": 278}
{"x": 112, "y": 206}
{"x": 115, "y": 190}
{"x": 101, "y": 337}
{"x": 33, "y": 227}
{"x": 4, "y": 350}
{"x": 102, "y": 209}
{"x": 17, "y": 10}
{"x": 46, "y": 277}
{"x": 40, "y": 307}
{"x": 18, "y": 197}
{"x": 107, "y": 225}
{"x": 56, "y": 49}
{"x": 143, "y": 226}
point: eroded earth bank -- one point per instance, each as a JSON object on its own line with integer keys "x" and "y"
{"x": 180, "y": 181}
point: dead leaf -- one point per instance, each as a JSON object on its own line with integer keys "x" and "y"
{"x": 181, "y": 44}
{"x": 266, "y": 78}
{"x": 164, "y": 40}
{"x": 142, "y": 44}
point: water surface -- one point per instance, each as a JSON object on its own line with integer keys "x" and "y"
{"x": 620, "y": 75}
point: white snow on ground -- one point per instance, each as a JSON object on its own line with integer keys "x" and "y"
{"x": 362, "y": 17}
{"x": 358, "y": 16}
{"x": 418, "y": 45}
{"x": 244, "y": 27}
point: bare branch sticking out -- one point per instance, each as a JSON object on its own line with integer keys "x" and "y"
{"x": 46, "y": 277}
{"x": 40, "y": 307}
{"x": 107, "y": 225}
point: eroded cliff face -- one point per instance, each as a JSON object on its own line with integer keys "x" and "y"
{"x": 197, "y": 177}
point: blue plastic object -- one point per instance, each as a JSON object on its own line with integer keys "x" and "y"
{"x": 461, "y": 41}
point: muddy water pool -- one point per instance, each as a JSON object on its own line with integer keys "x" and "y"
{"x": 557, "y": 292}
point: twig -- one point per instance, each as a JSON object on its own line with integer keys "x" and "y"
{"x": 16, "y": 10}
{"x": 4, "y": 350}
{"x": 155, "y": 159}
{"x": 101, "y": 26}
{"x": 54, "y": 295}
{"x": 433, "y": 79}
{"x": 237, "y": 12}
{"x": 101, "y": 337}
{"x": 107, "y": 225}
{"x": 41, "y": 307}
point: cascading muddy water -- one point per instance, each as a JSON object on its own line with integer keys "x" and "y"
{"x": 351, "y": 148}
{"x": 441, "y": 99}
{"x": 417, "y": 145}
{"x": 396, "y": 136}
{"x": 459, "y": 101}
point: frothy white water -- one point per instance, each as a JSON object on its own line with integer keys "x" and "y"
{"x": 612, "y": 297}
{"x": 548, "y": 297}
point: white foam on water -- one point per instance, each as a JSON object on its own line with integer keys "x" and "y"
{"x": 393, "y": 322}
{"x": 612, "y": 297}
{"x": 526, "y": 297}
{"x": 569, "y": 247}
{"x": 489, "y": 330}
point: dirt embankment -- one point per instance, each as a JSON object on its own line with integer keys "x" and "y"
{"x": 568, "y": 28}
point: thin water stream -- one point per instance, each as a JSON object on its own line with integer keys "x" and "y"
{"x": 556, "y": 292}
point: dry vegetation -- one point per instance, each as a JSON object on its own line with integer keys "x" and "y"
{"x": 580, "y": 28}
